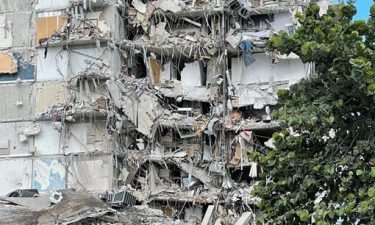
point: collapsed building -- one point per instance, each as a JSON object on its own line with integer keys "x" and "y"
{"x": 165, "y": 100}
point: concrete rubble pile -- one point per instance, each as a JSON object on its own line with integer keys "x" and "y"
{"x": 154, "y": 112}
{"x": 72, "y": 207}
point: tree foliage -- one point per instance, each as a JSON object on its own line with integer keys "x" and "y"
{"x": 322, "y": 169}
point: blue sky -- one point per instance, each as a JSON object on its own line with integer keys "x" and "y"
{"x": 363, "y": 7}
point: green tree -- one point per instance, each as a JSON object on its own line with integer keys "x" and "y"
{"x": 321, "y": 169}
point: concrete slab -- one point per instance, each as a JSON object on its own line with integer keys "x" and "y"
{"x": 208, "y": 216}
{"x": 244, "y": 219}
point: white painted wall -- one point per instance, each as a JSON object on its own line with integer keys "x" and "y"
{"x": 263, "y": 71}
{"x": 166, "y": 73}
{"x": 90, "y": 173}
{"x": 51, "y": 4}
{"x": 47, "y": 67}
{"x": 6, "y": 38}
{"x": 280, "y": 20}
{"x": 48, "y": 94}
{"x": 9, "y": 132}
{"x": 20, "y": 25}
{"x": 15, "y": 5}
{"x": 17, "y": 102}
{"x": 190, "y": 75}
{"x": 84, "y": 137}
{"x": 87, "y": 137}
{"x": 48, "y": 141}
{"x": 81, "y": 58}
{"x": 14, "y": 174}
{"x": 77, "y": 138}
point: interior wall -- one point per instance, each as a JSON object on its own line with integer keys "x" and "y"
{"x": 263, "y": 71}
